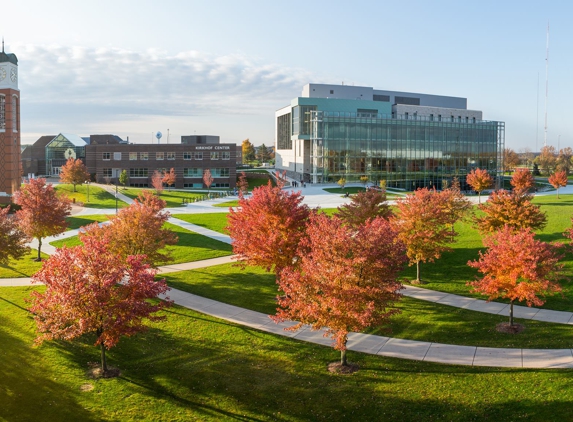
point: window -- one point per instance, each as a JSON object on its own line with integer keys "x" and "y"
{"x": 451, "y": 118}
{"x": 159, "y": 156}
{"x": 385, "y": 98}
{"x": 431, "y": 117}
{"x": 117, "y": 156}
{"x": 2, "y": 112}
{"x": 226, "y": 155}
{"x": 439, "y": 117}
{"x": 406, "y": 116}
{"x": 14, "y": 116}
{"x": 132, "y": 156}
{"x": 332, "y": 91}
{"x": 144, "y": 156}
{"x": 171, "y": 156}
{"x": 107, "y": 173}
{"x": 138, "y": 172}
{"x": 198, "y": 155}
{"x": 192, "y": 172}
{"x": 214, "y": 155}
{"x": 186, "y": 155}
{"x": 220, "y": 172}
{"x": 106, "y": 156}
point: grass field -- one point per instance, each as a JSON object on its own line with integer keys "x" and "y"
{"x": 190, "y": 247}
{"x": 77, "y": 222}
{"x": 213, "y": 221}
{"x": 99, "y": 198}
{"x": 192, "y": 367}
{"x": 172, "y": 198}
{"x": 24, "y": 267}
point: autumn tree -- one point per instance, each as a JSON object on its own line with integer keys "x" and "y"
{"x": 157, "y": 181}
{"x": 267, "y": 227}
{"x": 248, "y": 150}
{"x": 510, "y": 159}
{"x": 547, "y": 159}
{"x": 263, "y": 154}
{"x": 12, "y": 239}
{"x": 365, "y": 205}
{"x": 341, "y": 182}
{"x": 364, "y": 179}
{"x": 208, "y": 178}
{"x": 516, "y": 266}
{"x": 512, "y": 209}
{"x": 347, "y": 280}
{"x": 563, "y": 161}
{"x": 123, "y": 178}
{"x": 243, "y": 184}
{"x": 139, "y": 230}
{"x": 558, "y": 180}
{"x": 422, "y": 225}
{"x": 522, "y": 181}
{"x": 455, "y": 206}
{"x": 92, "y": 290}
{"x": 170, "y": 178}
{"x": 43, "y": 211}
{"x": 479, "y": 180}
{"x": 74, "y": 172}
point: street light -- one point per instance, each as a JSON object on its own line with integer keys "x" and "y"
{"x": 88, "y": 185}
{"x": 116, "y": 197}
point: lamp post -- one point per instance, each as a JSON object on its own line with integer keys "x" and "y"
{"x": 88, "y": 185}
{"x": 116, "y": 197}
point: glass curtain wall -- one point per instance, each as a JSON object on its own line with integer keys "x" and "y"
{"x": 408, "y": 154}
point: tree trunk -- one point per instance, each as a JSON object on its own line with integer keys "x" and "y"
{"x": 343, "y": 360}
{"x": 103, "y": 360}
{"x": 479, "y": 197}
{"x": 418, "y": 272}
{"x": 74, "y": 187}
{"x": 39, "y": 248}
{"x": 557, "y": 193}
{"x": 511, "y": 313}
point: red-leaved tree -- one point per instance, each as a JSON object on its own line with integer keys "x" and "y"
{"x": 208, "y": 179}
{"x": 139, "y": 230}
{"x": 157, "y": 181}
{"x": 92, "y": 290}
{"x": 455, "y": 206}
{"x": 479, "y": 180}
{"x": 347, "y": 278}
{"x": 363, "y": 206}
{"x": 522, "y": 181}
{"x": 558, "y": 180}
{"x": 513, "y": 209}
{"x": 43, "y": 211}
{"x": 267, "y": 227}
{"x": 243, "y": 184}
{"x": 170, "y": 178}
{"x": 517, "y": 267}
{"x": 12, "y": 238}
{"x": 422, "y": 225}
{"x": 74, "y": 172}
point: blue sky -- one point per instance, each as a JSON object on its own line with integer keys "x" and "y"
{"x": 223, "y": 67}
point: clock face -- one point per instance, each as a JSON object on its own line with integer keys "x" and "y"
{"x": 2, "y": 73}
{"x": 13, "y": 75}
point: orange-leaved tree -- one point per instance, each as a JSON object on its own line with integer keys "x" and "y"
{"x": 267, "y": 227}
{"x": 43, "y": 211}
{"x": 74, "y": 172}
{"x": 479, "y": 180}
{"x": 347, "y": 278}
{"x": 157, "y": 181}
{"x": 139, "y": 230}
{"x": 92, "y": 290}
{"x": 243, "y": 184}
{"x": 12, "y": 238}
{"x": 170, "y": 178}
{"x": 522, "y": 181}
{"x": 208, "y": 179}
{"x": 517, "y": 267}
{"x": 455, "y": 205}
{"x": 512, "y": 209}
{"x": 363, "y": 206}
{"x": 422, "y": 225}
{"x": 558, "y": 180}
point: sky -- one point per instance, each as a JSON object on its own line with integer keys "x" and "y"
{"x": 222, "y": 67}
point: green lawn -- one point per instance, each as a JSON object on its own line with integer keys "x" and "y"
{"x": 212, "y": 221}
{"x": 172, "y": 198}
{"x": 355, "y": 189}
{"x": 24, "y": 267}
{"x": 233, "y": 203}
{"x": 255, "y": 289}
{"x": 190, "y": 247}
{"x": 193, "y": 367}
{"x": 99, "y": 198}
{"x": 77, "y": 222}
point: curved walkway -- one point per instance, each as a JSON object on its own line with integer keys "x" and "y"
{"x": 368, "y": 343}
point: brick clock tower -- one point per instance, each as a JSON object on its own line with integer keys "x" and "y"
{"x": 10, "y": 177}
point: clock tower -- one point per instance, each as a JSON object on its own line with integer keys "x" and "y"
{"x": 10, "y": 177}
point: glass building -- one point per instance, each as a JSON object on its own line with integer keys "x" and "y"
{"x": 409, "y": 140}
